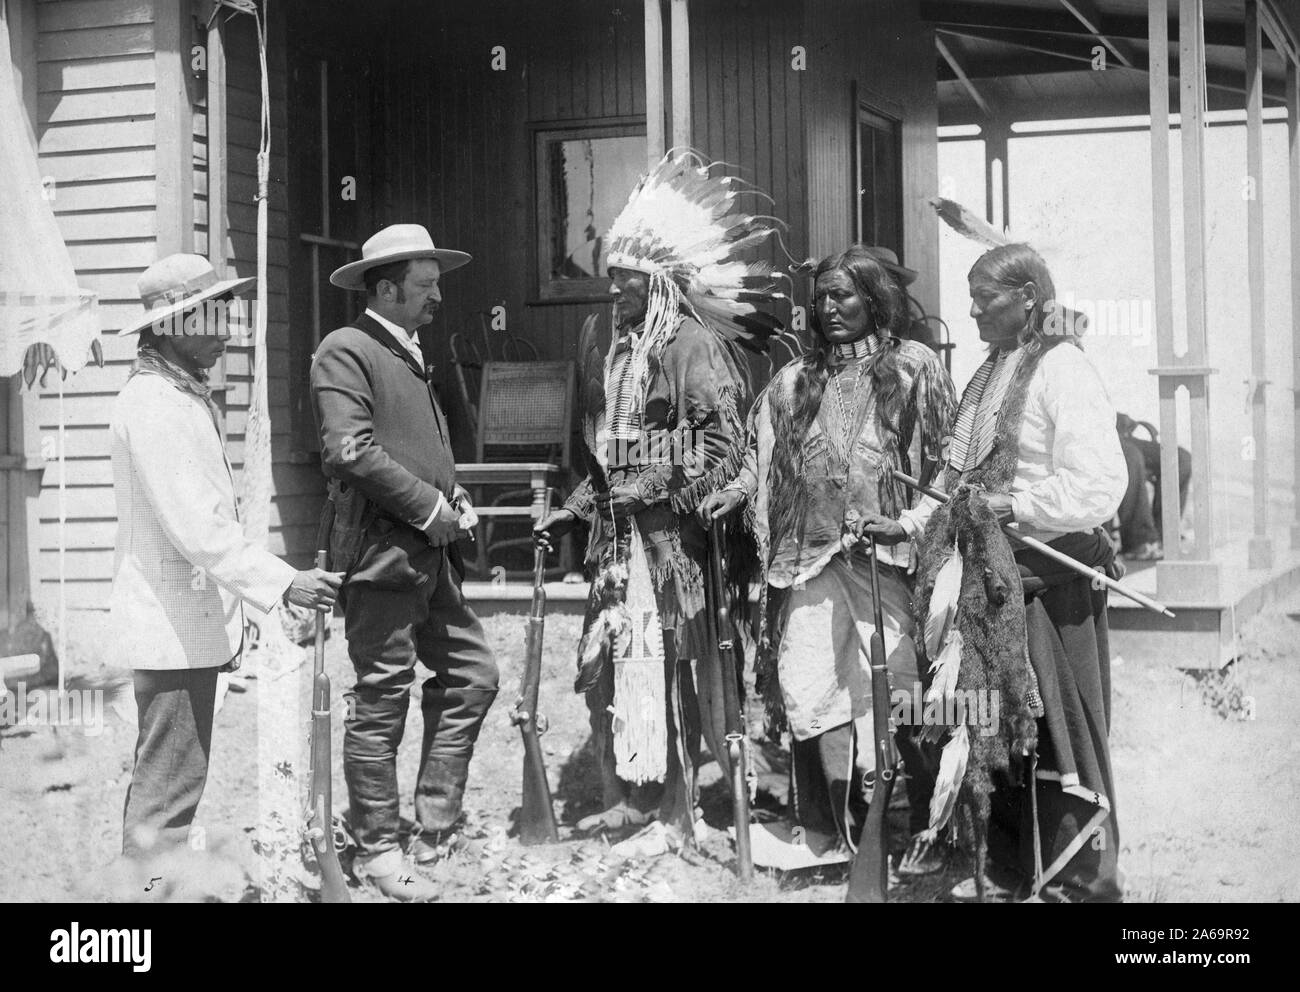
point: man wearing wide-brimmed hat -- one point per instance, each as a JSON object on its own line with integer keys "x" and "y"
{"x": 183, "y": 568}
{"x": 397, "y": 514}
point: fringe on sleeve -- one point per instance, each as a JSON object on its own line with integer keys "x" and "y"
{"x": 934, "y": 404}
{"x": 582, "y": 501}
{"x": 726, "y": 468}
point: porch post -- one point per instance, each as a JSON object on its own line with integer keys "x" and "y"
{"x": 1293, "y": 141}
{"x": 216, "y": 117}
{"x": 1194, "y": 575}
{"x": 654, "y": 83}
{"x": 1162, "y": 234}
{"x": 215, "y": 111}
{"x": 173, "y": 128}
{"x": 681, "y": 68}
{"x": 997, "y": 186}
{"x": 21, "y": 462}
{"x": 1261, "y": 547}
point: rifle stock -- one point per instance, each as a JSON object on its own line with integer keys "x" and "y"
{"x": 536, "y": 815}
{"x": 869, "y": 876}
{"x": 320, "y": 806}
{"x": 739, "y": 760}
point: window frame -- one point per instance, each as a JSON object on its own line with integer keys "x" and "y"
{"x": 867, "y": 110}
{"x": 544, "y": 288}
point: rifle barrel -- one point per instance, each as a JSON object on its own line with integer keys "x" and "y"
{"x": 735, "y": 723}
{"x": 869, "y": 875}
{"x": 1060, "y": 557}
{"x": 536, "y": 812}
{"x": 333, "y": 887}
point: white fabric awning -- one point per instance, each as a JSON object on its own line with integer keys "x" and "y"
{"x": 40, "y": 302}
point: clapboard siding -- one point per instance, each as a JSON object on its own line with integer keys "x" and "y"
{"x": 96, "y": 139}
{"x": 103, "y": 72}
{"x": 80, "y": 15}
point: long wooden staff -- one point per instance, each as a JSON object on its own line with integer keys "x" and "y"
{"x": 1095, "y": 574}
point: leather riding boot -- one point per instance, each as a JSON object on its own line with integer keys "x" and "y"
{"x": 373, "y": 801}
{"x": 439, "y": 791}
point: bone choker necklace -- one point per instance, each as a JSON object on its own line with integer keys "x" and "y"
{"x": 846, "y": 351}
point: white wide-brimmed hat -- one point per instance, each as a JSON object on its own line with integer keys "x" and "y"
{"x": 175, "y": 283}
{"x": 395, "y": 243}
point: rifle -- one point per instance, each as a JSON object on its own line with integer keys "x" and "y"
{"x": 536, "y": 817}
{"x": 731, "y": 704}
{"x": 869, "y": 877}
{"x": 320, "y": 804}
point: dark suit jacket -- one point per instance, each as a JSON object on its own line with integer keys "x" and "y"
{"x": 383, "y": 435}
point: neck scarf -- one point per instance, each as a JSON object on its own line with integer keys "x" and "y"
{"x": 150, "y": 359}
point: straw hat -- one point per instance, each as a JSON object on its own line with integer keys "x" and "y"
{"x": 175, "y": 283}
{"x": 395, "y": 243}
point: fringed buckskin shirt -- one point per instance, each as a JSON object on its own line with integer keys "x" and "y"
{"x": 691, "y": 443}
{"x": 838, "y": 495}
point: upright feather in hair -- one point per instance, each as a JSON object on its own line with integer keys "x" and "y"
{"x": 968, "y": 224}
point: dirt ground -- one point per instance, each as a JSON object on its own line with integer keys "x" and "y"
{"x": 1206, "y": 801}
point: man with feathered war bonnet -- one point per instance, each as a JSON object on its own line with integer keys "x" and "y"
{"x": 664, "y": 425}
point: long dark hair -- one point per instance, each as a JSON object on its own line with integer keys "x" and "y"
{"x": 1011, "y": 267}
{"x": 791, "y": 420}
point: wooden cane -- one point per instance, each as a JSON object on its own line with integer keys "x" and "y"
{"x": 1095, "y": 574}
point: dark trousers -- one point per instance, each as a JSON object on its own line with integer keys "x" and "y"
{"x": 1090, "y": 875}
{"x": 826, "y": 781}
{"x": 171, "y": 758}
{"x": 387, "y": 631}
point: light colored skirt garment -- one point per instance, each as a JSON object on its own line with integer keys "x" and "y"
{"x": 824, "y": 666}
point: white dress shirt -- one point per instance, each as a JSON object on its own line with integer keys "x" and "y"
{"x": 409, "y": 341}
{"x": 1071, "y": 474}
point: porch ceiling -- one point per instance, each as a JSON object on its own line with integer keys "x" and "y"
{"x": 1032, "y": 59}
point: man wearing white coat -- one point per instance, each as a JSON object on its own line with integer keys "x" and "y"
{"x": 183, "y": 568}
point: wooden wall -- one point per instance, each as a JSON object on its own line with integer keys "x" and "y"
{"x": 456, "y": 149}
{"x": 298, "y": 488}
{"x": 457, "y": 144}
{"x": 96, "y": 139}
{"x": 451, "y": 148}
{"x": 888, "y": 52}
{"x": 102, "y": 140}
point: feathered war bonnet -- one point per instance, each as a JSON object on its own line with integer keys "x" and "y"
{"x": 685, "y": 228}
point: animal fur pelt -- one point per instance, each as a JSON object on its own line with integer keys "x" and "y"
{"x": 609, "y": 630}
{"x": 986, "y": 629}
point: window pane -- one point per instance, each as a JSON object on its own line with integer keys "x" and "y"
{"x": 590, "y": 179}
{"x": 879, "y": 181}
